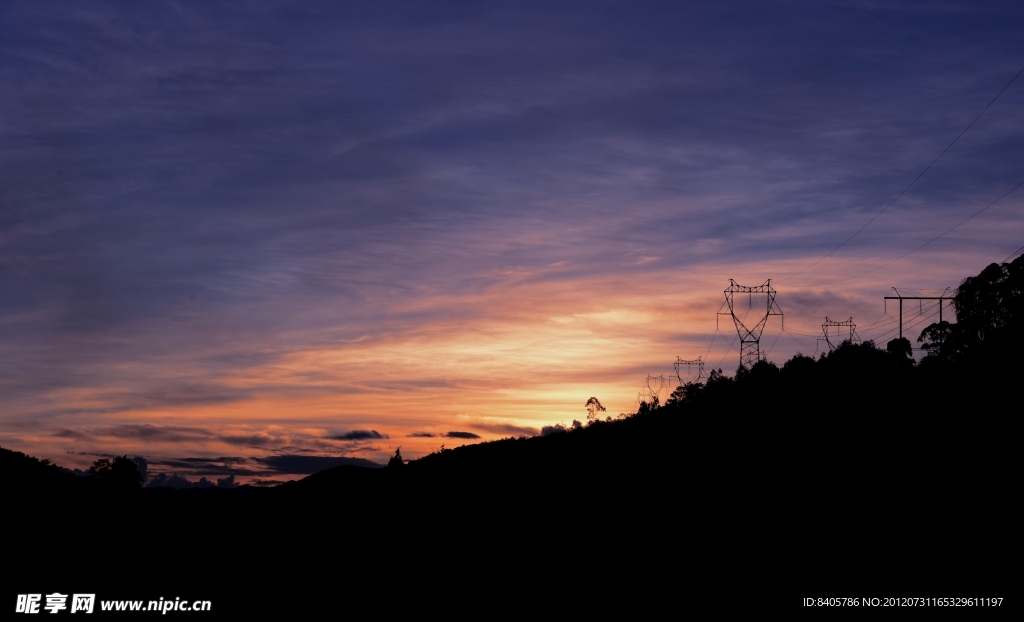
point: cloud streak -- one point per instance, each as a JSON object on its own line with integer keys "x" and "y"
{"x": 359, "y": 435}
{"x": 462, "y": 435}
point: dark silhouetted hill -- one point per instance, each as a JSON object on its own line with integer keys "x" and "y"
{"x": 857, "y": 469}
{"x": 23, "y": 474}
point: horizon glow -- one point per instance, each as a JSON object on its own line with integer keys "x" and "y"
{"x": 228, "y": 235}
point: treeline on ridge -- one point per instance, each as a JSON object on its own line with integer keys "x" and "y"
{"x": 966, "y": 376}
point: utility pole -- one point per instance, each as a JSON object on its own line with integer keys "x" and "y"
{"x": 901, "y": 298}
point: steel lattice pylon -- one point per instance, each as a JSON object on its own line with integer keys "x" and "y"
{"x": 654, "y": 386}
{"x": 651, "y": 391}
{"x": 643, "y": 397}
{"x": 680, "y": 362}
{"x": 750, "y": 338}
{"x": 852, "y": 336}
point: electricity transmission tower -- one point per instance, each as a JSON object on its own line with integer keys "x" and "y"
{"x": 750, "y": 338}
{"x": 654, "y": 386}
{"x": 852, "y": 332}
{"x": 679, "y": 364}
{"x": 643, "y": 397}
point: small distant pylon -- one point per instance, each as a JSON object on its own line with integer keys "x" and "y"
{"x": 655, "y": 385}
{"x": 643, "y": 397}
{"x": 679, "y": 364}
{"x": 827, "y": 338}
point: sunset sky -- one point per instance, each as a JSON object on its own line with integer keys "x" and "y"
{"x": 249, "y": 238}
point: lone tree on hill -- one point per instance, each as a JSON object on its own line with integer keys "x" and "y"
{"x": 396, "y": 461}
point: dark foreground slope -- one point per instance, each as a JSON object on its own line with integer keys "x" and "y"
{"x": 760, "y": 485}
{"x": 503, "y": 520}
{"x": 858, "y": 473}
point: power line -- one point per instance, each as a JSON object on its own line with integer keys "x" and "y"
{"x": 885, "y": 318}
{"x": 911, "y": 324}
{"x": 772, "y": 347}
{"x": 727, "y": 351}
{"x": 791, "y": 336}
{"x": 879, "y": 324}
{"x": 902, "y": 192}
{"x": 712, "y": 342}
{"x": 798, "y": 332}
{"x": 805, "y": 345}
{"x": 1013, "y": 254}
{"x": 922, "y": 316}
{"x": 925, "y": 310}
{"x": 923, "y": 245}
{"x": 888, "y": 320}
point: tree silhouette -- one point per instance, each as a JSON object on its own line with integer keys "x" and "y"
{"x": 937, "y": 339}
{"x": 678, "y": 395}
{"x": 646, "y": 407}
{"x": 989, "y": 307}
{"x": 900, "y": 347}
{"x": 396, "y": 461}
{"x": 121, "y": 473}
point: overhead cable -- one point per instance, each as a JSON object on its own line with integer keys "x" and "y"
{"x": 902, "y": 192}
{"x": 1005, "y": 194}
